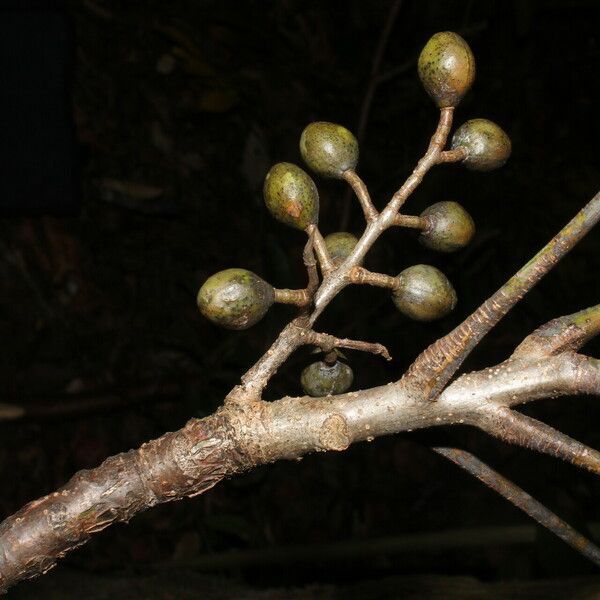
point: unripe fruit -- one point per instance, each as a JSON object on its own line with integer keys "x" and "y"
{"x": 487, "y": 145}
{"x": 321, "y": 379}
{"x": 423, "y": 293}
{"x": 291, "y": 195}
{"x": 328, "y": 149}
{"x": 235, "y": 298}
{"x": 340, "y": 245}
{"x": 449, "y": 227}
{"x": 446, "y": 68}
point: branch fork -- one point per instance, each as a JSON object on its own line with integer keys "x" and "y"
{"x": 248, "y": 431}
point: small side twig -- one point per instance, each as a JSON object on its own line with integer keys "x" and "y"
{"x": 411, "y": 221}
{"x": 362, "y": 193}
{"x": 328, "y": 342}
{"x": 296, "y": 297}
{"x": 565, "y": 333}
{"x": 451, "y": 156}
{"x": 310, "y": 262}
{"x": 521, "y": 499}
{"x": 435, "y": 366}
{"x": 320, "y": 249}
{"x": 362, "y": 276}
{"x": 519, "y": 429}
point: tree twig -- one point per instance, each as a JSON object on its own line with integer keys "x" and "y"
{"x": 328, "y": 342}
{"x": 437, "y": 364}
{"x": 522, "y": 500}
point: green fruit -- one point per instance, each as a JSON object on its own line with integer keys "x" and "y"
{"x": 235, "y": 298}
{"x": 340, "y": 245}
{"x": 328, "y": 149}
{"x": 449, "y": 227}
{"x": 321, "y": 379}
{"x": 487, "y": 145}
{"x": 446, "y": 68}
{"x": 291, "y": 195}
{"x": 423, "y": 293}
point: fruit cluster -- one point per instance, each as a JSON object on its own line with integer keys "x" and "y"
{"x": 237, "y": 298}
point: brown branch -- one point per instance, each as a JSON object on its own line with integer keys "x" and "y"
{"x": 521, "y": 430}
{"x": 296, "y": 297}
{"x": 310, "y": 262}
{"x": 434, "y": 367}
{"x": 410, "y": 221}
{"x": 239, "y": 436}
{"x": 320, "y": 249}
{"x": 328, "y": 342}
{"x": 362, "y": 193}
{"x": 521, "y": 499}
{"x": 565, "y": 333}
{"x": 362, "y": 276}
{"x": 248, "y": 431}
{"x": 337, "y": 280}
{"x": 451, "y": 156}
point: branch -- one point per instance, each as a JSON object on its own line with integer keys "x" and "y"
{"x": 565, "y": 333}
{"x": 320, "y": 249}
{"x": 328, "y": 342}
{"x": 362, "y": 193}
{"x": 336, "y": 281}
{"x": 521, "y": 499}
{"x": 434, "y": 367}
{"x": 516, "y": 428}
{"x": 242, "y": 435}
{"x": 336, "y": 278}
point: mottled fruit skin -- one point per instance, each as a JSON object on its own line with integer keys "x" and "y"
{"x": 329, "y": 149}
{"x": 321, "y": 379}
{"x": 291, "y": 195}
{"x": 235, "y": 298}
{"x": 446, "y": 68}
{"x": 424, "y": 293}
{"x": 487, "y": 145}
{"x": 449, "y": 227}
{"x": 340, "y": 245}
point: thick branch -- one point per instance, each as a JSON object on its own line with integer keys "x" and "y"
{"x": 184, "y": 463}
{"x": 435, "y": 366}
{"x": 237, "y": 437}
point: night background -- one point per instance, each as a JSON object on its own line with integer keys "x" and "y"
{"x": 146, "y": 176}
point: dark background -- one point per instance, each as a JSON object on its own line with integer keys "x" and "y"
{"x": 179, "y": 109}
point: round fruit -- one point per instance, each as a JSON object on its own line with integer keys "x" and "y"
{"x": 446, "y": 68}
{"x": 423, "y": 293}
{"x": 449, "y": 227}
{"x": 321, "y": 379}
{"x": 235, "y": 298}
{"x": 340, "y": 245}
{"x": 487, "y": 145}
{"x": 291, "y": 195}
{"x": 328, "y": 149}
